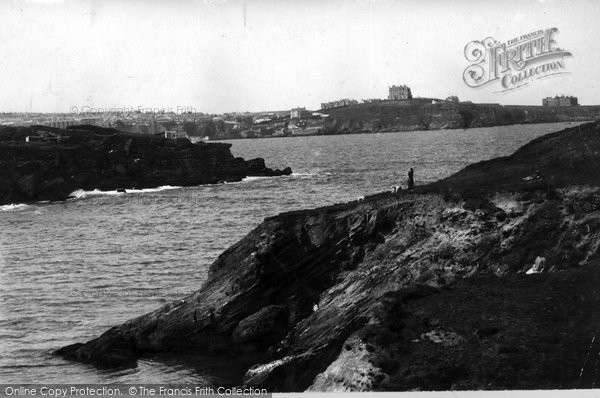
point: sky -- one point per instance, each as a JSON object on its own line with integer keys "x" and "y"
{"x": 219, "y": 56}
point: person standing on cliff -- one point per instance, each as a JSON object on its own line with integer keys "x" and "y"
{"x": 411, "y": 181}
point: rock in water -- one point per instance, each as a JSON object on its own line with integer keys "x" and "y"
{"x": 88, "y": 158}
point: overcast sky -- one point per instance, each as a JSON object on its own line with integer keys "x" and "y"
{"x": 220, "y": 56}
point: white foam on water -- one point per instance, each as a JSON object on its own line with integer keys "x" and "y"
{"x": 14, "y": 207}
{"x": 306, "y": 174}
{"x": 81, "y": 194}
{"x": 157, "y": 189}
{"x": 293, "y": 175}
{"x": 254, "y": 178}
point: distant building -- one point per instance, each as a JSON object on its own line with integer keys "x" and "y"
{"x": 264, "y": 117}
{"x": 338, "y": 103}
{"x": 35, "y": 138}
{"x": 399, "y": 92}
{"x": 372, "y": 100}
{"x": 452, "y": 98}
{"x": 299, "y": 113}
{"x": 173, "y": 135}
{"x": 560, "y": 101}
{"x": 44, "y": 136}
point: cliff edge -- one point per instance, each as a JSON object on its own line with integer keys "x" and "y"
{"x": 485, "y": 280}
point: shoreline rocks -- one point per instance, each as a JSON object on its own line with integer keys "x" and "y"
{"x": 424, "y": 289}
{"x": 61, "y": 161}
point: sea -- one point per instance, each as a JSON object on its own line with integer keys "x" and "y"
{"x": 70, "y": 271}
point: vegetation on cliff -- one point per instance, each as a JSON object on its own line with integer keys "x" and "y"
{"x": 485, "y": 280}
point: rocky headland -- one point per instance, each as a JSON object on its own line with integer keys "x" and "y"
{"x": 488, "y": 279}
{"x": 56, "y": 162}
{"x": 436, "y": 114}
{"x": 417, "y": 114}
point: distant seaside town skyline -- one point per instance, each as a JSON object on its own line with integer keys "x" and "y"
{"x": 401, "y": 92}
{"x": 238, "y": 56}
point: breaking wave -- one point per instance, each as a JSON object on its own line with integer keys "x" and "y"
{"x": 14, "y": 207}
{"x": 81, "y": 194}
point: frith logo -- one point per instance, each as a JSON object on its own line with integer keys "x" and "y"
{"x": 515, "y": 63}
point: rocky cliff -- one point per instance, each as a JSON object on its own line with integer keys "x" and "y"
{"x": 485, "y": 280}
{"x": 430, "y": 114}
{"x": 56, "y": 162}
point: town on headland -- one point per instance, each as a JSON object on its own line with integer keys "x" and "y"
{"x": 399, "y": 111}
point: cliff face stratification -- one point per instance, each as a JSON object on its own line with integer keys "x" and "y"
{"x": 430, "y": 289}
{"x": 57, "y": 162}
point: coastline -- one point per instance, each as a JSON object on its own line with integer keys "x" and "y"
{"x": 366, "y": 264}
{"x": 391, "y": 131}
{"x": 61, "y": 161}
{"x": 424, "y": 114}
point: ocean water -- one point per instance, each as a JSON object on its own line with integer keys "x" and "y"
{"x": 70, "y": 271}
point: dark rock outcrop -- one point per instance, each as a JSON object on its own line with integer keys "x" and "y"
{"x": 57, "y": 162}
{"x": 430, "y": 289}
